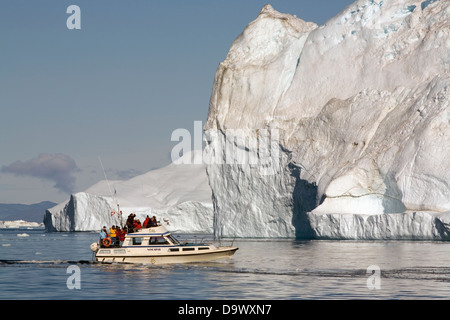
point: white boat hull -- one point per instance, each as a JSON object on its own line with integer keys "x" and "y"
{"x": 121, "y": 255}
{"x": 155, "y": 245}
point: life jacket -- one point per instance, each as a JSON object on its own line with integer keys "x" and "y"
{"x": 112, "y": 232}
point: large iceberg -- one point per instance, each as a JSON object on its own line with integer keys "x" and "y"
{"x": 340, "y": 131}
{"x": 177, "y": 194}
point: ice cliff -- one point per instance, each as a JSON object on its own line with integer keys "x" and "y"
{"x": 178, "y": 193}
{"x": 340, "y": 131}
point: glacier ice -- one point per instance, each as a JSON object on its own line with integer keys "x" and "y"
{"x": 362, "y": 107}
{"x": 178, "y": 193}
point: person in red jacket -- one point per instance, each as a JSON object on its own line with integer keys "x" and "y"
{"x": 121, "y": 235}
{"x": 146, "y": 221}
{"x": 118, "y": 233}
{"x": 137, "y": 224}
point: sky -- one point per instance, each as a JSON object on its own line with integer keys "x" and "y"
{"x": 112, "y": 92}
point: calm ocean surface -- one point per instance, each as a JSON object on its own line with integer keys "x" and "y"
{"x": 36, "y": 265}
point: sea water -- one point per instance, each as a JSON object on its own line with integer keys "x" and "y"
{"x": 39, "y": 265}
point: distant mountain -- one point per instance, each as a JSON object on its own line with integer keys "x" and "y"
{"x": 28, "y": 212}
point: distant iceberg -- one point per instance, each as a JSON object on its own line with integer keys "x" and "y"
{"x": 23, "y": 235}
{"x": 178, "y": 193}
{"x": 19, "y": 224}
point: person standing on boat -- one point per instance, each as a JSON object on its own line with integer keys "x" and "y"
{"x": 130, "y": 223}
{"x": 146, "y": 221}
{"x": 118, "y": 234}
{"x": 103, "y": 235}
{"x": 122, "y": 236}
{"x": 116, "y": 239}
{"x": 112, "y": 231}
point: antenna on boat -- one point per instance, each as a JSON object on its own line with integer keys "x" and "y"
{"x": 113, "y": 195}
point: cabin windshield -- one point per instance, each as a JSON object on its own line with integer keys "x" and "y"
{"x": 173, "y": 240}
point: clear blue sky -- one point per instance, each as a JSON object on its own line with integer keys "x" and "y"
{"x": 117, "y": 88}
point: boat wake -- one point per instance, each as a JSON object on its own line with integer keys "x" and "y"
{"x": 413, "y": 273}
{"x": 5, "y": 262}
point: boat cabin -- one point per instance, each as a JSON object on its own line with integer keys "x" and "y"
{"x": 149, "y": 237}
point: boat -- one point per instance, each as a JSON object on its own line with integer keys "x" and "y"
{"x": 156, "y": 245}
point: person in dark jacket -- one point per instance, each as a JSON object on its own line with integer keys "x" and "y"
{"x": 130, "y": 223}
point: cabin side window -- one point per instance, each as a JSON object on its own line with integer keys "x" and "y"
{"x": 157, "y": 241}
{"x": 137, "y": 241}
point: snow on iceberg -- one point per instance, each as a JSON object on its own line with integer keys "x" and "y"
{"x": 178, "y": 193}
{"x": 361, "y": 108}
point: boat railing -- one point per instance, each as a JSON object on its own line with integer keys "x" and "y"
{"x": 226, "y": 242}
